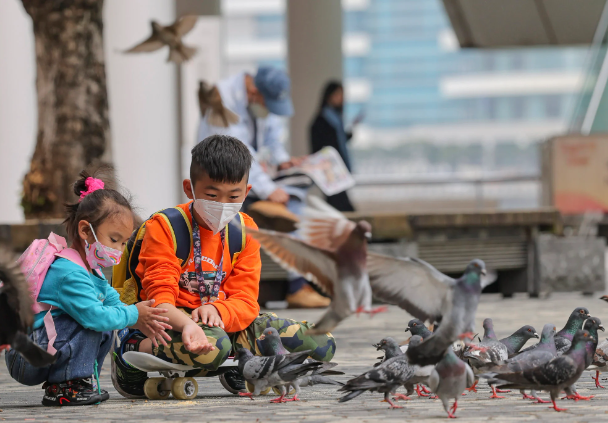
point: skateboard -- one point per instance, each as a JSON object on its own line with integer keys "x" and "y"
{"x": 165, "y": 379}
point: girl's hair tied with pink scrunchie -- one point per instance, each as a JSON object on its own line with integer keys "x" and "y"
{"x": 92, "y": 185}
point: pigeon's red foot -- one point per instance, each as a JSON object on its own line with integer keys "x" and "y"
{"x": 398, "y": 397}
{"x": 473, "y": 388}
{"x": 294, "y": 398}
{"x": 421, "y": 391}
{"x": 466, "y": 335}
{"x": 246, "y": 394}
{"x": 596, "y": 378}
{"x": 453, "y": 409}
{"x": 578, "y": 397}
{"x": 372, "y": 312}
{"x": 503, "y": 391}
{"x": 556, "y": 408}
{"x": 5, "y": 347}
{"x": 425, "y": 390}
{"x": 393, "y": 406}
{"x": 433, "y": 396}
{"x": 494, "y": 393}
{"x": 541, "y": 401}
{"x": 279, "y": 400}
{"x": 526, "y": 396}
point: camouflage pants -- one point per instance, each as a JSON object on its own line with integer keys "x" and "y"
{"x": 322, "y": 347}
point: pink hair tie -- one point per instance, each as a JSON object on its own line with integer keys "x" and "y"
{"x": 92, "y": 185}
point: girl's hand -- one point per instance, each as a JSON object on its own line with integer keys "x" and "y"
{"x": 208, "y": 315}
{"x": 195, "y": 340}
{"x": 151, "y": 323}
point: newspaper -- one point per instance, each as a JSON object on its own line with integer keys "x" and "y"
{"x": 325, "y": 168}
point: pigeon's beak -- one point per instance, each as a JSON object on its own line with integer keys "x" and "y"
{"x": 536, "y": 335}
{"x": 484, "y": 272}
{"x": 262, "y": 337}
{"x": 406, "y": 330}
{"x": 604, "y": 297}
{"x": 377, "y": 346}
{"x": 601, "y": 327}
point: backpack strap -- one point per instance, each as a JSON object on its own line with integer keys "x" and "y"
{"x": 181, "y": 229}
{"x": 236, "y": 238}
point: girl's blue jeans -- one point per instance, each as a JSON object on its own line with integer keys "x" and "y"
{"x": 77, "y": 350}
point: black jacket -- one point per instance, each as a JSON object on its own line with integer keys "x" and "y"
{"x": 322, "y": 134}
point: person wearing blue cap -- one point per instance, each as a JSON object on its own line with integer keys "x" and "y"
{"x": 260, "y": 101}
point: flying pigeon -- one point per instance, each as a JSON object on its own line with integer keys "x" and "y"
{"x": 16, "y": 313}
{"x": 170, "y": 36}
{"x": 210, "y": 100}
{"x": 333, "y": 257}
{"x": 492, "y": 351}
{"x": 553, "y": 376}
{"x": 545, "y": 350}
{"x": 450, "y": 377}
{"x": 516, "y": 341}
{"x": 385, "y": 378}
{"x": 276, "y": 371}
{"x": 426, "y": 293}
{"x": 270, "y": 345}
{"x": 563, "y": 338}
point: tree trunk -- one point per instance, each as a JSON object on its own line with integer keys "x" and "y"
{"x": 73, "y": 124}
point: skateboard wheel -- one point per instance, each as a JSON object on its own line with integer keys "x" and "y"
{"x": 251, "y": 388}
{"x": 184, "y": 388}
{"x": 227, "y": 386}
{"x": 153, "y": 389}
{"x": 278, "y": 391}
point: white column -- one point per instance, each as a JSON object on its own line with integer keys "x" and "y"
{"x": 142, "y": 91}
{"x": 18, "y": 109}
{"x": 315, "y": 55}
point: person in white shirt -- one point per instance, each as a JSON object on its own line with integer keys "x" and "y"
{"x": 259, "y": 101}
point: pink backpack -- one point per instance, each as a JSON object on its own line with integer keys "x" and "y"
{"x": 35, "y": 263}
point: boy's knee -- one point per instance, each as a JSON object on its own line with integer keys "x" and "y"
{"x": 214, "y": 359}
{"x": 22, "y": 371}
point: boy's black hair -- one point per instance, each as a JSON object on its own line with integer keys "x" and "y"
{"x": 96, "y": 206}
{"x": 222, "y": 157}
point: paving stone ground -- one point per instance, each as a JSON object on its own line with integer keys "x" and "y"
{"x": 355, "y": 355}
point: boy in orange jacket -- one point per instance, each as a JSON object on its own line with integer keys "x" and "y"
{"x": 212, "y": 299}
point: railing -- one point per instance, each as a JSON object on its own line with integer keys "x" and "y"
{"x": 365, "y": 181}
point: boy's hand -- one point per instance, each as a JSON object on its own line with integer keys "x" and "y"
{"x": 151, "y": 323}
{"x": 208, "y": 315}
{"x": 195, "y": 340}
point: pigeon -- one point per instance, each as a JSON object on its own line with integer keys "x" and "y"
{"x": 600, "y": 361}
{"x": 450, "y": 377}
{"x": 276, "y": 371}
{"x": 270, "y": 345}
{"x": 516, "y": 341}
{"x": 423, "y": 291}
{"x": 332, "y": 256}
{"x": 170, "y": 36}
{"x": 385, "y": 378}
{"x": 417, "y": 327}
{"x": 421, "y": 373}
{"x": 563, "y": 338}
{"x": 210, "y": 100}
{"x": 545, "y": 350}
{"x": 492, "y": 351}
{"x": 16, "y": 313}
{"x": 555, "y": 375}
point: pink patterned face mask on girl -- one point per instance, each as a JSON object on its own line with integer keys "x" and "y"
{"x": 98, "y": 255}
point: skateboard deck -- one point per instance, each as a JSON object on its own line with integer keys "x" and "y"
{"x": 149, "y": 363}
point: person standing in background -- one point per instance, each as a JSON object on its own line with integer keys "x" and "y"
{"x": 327, "y": 129}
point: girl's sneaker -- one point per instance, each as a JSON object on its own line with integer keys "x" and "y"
{"x": 71, "y": 393}
{"x": 127, "y": 380}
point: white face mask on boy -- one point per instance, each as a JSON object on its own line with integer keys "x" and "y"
{"x": 215, "y": 214}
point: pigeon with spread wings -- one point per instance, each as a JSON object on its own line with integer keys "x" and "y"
{"x": 210, "y": 100}
{"x": 170, "y": 36}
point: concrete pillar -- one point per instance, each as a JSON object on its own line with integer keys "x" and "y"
{"x": 315, "y": 55}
